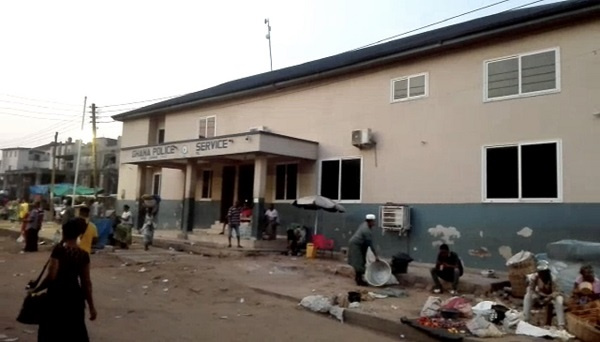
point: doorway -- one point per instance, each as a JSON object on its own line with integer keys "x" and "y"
{"x": 227, "y": 190}
{"x": 246, "y": 184}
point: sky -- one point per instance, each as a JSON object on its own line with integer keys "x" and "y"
{"x": 123, "y": 54}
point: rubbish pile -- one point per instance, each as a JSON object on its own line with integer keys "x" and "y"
{"x": 335, "y": 305}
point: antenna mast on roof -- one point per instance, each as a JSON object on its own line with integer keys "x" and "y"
{"x": 268, "y": 36}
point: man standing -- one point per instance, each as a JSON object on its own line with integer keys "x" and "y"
{"x": 23, "y": 213}
{"x": 89, "y": 237}
{"x": 95, "y": 211}
{"x": 68, "y": 212}
{"x": 272, "y": 218}
{"x": 448, "y": 267}
{"x": 233, "y": 217}
{"x": 544, "y": 290}
{"x": 359, "y": 244}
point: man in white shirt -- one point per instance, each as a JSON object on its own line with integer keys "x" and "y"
{"x": 95, "y": 209}
{"x": 272, "y": 217}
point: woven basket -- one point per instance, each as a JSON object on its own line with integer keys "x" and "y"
{"x": 517, "y": 275}
{"x": 581, "y": 329}
{"x": 589, "y": 313}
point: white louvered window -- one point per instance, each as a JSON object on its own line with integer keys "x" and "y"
{"x": 522, "y": 75}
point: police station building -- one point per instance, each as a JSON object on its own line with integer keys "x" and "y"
{"x": 483, "y": 135}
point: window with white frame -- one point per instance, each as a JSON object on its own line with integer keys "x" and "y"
{"x": 410, "y": 87}
{"x": 522, "y": 75}
{"x": 522, "y": 172}
{"x": 286, "y": 181}
{"x": 208, "y": 127}
{"x": 207, "y": 176}
{"x": 341, "y": 179}
{"x": 156, "y": 180}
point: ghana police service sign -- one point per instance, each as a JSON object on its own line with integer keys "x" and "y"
{"x": 183, "y": 150}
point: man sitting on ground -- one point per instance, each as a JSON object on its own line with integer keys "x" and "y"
{"x": 448, "y": 267}
{"x": 543, "y": 290}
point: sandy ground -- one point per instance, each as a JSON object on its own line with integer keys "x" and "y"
{"x": 178, "y": 297}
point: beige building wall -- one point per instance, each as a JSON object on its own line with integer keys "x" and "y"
{"x": 428, "y": 150}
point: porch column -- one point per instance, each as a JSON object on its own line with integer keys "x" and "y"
{"x": 189, "y": 196}
{"x": 260, "y": 184}
{"x": 142, "y": 173}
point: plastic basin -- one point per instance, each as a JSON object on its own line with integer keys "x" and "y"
{"x": 378, "y": 273}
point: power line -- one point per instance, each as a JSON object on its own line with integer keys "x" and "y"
{"x": 32, "y": 117}
{"x": 30, "y": 99}
{"x": 36, "y": 112}
{"x": 38, "y": 106}
{"x": 37, "y": 135}
{"x": 448, "y": 19}
{"x": 130, "y": 103}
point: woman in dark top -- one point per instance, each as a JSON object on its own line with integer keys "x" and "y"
{"x": 69, "y": 287}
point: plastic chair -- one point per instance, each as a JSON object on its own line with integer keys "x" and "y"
{"x": 322, "y": 243}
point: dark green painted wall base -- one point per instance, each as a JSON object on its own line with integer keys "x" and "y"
{"x": 468, "y": 228}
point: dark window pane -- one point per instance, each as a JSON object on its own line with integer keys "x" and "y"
{"x": 502, "y": 172}
{"x": 292, "y": 181}
{"x": 539, "y": 171}
{"x": 207, "y": 184}
{"x": 330, "y": 171}
{"x": 161, "y": 136}
{"x": 350, "y": 179}
{"x": 280, "y": 182}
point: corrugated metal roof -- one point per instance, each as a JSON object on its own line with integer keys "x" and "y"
{"x": 405, "y": 46}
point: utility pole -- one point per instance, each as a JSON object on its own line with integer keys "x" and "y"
{"x": 95, "y": 174}
{"x": 53, "y": 179}
{"x": 79, "y": 151}
{"x": 268, "y": 36}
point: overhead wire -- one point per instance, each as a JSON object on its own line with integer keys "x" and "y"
{"x": 38, "y": 106}
{"x": 136, "y": 102}
{"x": 39, "y": 140}
{"x": 446, "y": 20}
{"x": 38, "y": 100}
{"x": 48, "y": 130}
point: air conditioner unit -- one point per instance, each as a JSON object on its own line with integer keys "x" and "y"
{"x": 258, "y": 129}
{"x": 362, "y": 137}
{"x": 395, "y": 218}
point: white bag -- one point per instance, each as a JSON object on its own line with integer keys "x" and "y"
{"x": 432, "y": 307}
{"x": 316, "y": 303}
{"x": 20, "y": 239}
{"x": 479, "y": 327}
{"x": 512, "y": 318}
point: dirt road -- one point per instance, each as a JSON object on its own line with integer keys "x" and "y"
{"x": 163, "y": 296}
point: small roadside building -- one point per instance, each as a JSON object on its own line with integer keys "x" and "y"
{"x": 486, "y": 132}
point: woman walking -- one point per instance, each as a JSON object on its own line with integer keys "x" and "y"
{"x": 69, "y": 287}
{"x": 34, "y": 225}
{"x": 148, "y": 229}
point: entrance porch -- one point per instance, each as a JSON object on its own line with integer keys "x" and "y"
{"x": 198, "y": 181}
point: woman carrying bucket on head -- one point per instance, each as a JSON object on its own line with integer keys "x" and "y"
{"x": 359, "y": 244}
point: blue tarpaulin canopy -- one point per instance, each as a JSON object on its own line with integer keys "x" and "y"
{"x": 62, "y": 189}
